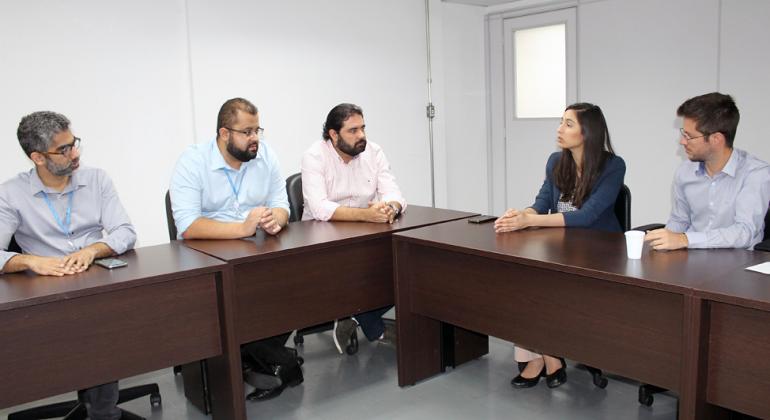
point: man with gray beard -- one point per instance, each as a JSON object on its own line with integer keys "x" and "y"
{"x": 63, "y": 217}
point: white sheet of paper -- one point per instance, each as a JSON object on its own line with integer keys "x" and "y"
{"x": 763, "y": 268}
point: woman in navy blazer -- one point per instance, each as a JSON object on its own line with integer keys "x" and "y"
{"x": 582, "y": 182}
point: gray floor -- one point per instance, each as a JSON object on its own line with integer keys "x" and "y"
{"x": 364, "y": 386}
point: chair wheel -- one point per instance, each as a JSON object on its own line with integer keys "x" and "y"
{"x": 600, "y": 381}
{"x": 352, "y": 348}
{"x": 298, "y": 339}
{"x": 645, "y": 398}
{"x": 155, "y": 400}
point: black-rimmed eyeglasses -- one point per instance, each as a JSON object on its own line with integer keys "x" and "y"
{"x": 259, "y": 131}
{"x": 66, "y": 149}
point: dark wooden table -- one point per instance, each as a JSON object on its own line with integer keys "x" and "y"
{"x": 735, "y": 340}
{"x": 569, "y": 292}
{"x": 312, "y": 272}
{"x": 61, "y": 334}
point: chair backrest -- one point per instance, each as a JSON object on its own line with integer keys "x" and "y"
{"x": 170, "y": 218}
{"x": 623, "y": 208}
{"x": 13, "y": 246}
{"x": 296, "y": 200}
{"x": 767, "y": 225}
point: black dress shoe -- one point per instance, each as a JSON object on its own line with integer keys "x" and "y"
{"x": 265, "y": 394}
{"x": 557, "y": 378}
{"x": 522, "y": 382}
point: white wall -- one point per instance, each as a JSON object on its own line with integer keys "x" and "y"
{"x": 639, "y": 74}
{"x": 119, "y": 71}
{"x": 122, "y": 73}
{"x": 461, "y": 104}
{"x": 639, "y": 60}
{"x": 296, "y": 60}
{"x": 744, "y": 61}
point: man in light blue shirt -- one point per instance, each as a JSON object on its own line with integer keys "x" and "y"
{"x": 227, "y": 189}
{"x": 63, "y": 218}
{"x": 231, "y": 186}
{"x": 721, "y": 195}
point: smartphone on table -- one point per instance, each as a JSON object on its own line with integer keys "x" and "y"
{"x": 111, "y": 263}
{"x": 481, "y": 219}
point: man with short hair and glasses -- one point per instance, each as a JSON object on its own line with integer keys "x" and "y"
{"x": 721, "y": 194}
{"x": 63, "y": 217}
{"x": 228, "y": 188}
{"x": 231, "y": 186}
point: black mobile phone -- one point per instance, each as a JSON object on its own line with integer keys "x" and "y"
{"x": 481, "y": 219}
{"x": 111, "y": 263}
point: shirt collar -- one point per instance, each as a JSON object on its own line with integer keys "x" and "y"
{"x": 729, "y": 169}
{"x": 732, "y": 164}
{"x": 36, "y": 184}
{"x": 333, "y": 151}
{"x": 217, "y": 161}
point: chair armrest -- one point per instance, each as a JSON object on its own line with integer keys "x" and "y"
{"x": 651, "y": 226}
{"x": 763, "y": 246}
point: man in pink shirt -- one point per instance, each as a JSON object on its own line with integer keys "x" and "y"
{"x": 346, "y": 178}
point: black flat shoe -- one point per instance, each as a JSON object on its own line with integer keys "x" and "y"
{"x": 265, "y": 394}
{"x": 522, "y": 382}
{"x": 557, "y": 378}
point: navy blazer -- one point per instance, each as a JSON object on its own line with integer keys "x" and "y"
{"x": 598, "y": 211}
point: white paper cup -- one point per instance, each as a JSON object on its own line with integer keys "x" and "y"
{"x": 634, "y": 244}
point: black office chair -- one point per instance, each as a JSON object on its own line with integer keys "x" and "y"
{"x": 623, "y": 213}
{"x": 76, "y": 410}
{"x": 170, "y": 218}
{"x": 647, "y": 391}
{"x": 297, "y": 206}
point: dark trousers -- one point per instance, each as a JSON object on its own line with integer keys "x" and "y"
{"x": 371, "y": 322}
{"x": 270, "y": 349}
{"x": 101, "y": 401}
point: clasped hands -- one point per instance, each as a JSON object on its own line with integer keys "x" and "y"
{"x": 261, "y": 218}
{"x": 381, "y": 212}
{"x": 76, "y": 262}
{"x": 512, "y": 220}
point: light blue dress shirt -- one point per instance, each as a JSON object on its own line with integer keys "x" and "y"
{"x": 200, "y": 186}
{"x": 96, "y": 215}
{"x": 723, "y": 211}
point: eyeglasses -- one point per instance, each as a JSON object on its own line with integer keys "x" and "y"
{"x": 66, "y": 150}
{"x": 259, "y": 131}
{"x": 687, "y": 137}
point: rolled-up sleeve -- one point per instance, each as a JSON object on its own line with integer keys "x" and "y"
{"x": 277, "y": 197}
{"x": 121, "y": 235}
{"x": 314, "y": 188}
{"x": 185, "y": 191}
{"x": 386, "y": 182}
{"x": 9, "y": 222}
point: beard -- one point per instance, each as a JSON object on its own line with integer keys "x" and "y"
{"x": 62, "y": 170}
{"x": 353, "y": 150}
{"x": 244, "y": 155}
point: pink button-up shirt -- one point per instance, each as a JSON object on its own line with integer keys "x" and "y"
{"x": 328, "y": 182}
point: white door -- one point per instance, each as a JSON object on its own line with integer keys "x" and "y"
{"x": 534, "y": 79}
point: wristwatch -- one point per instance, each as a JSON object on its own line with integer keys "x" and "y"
{"x": 395, "y": 209}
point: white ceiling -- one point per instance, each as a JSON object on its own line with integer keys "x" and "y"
{"x": 480, "y": 2}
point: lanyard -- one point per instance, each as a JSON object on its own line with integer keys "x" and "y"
{"x": 64, "y": 227}
{"x": 236, "y": 191}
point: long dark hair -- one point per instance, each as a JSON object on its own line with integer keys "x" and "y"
{"x": 596, "y": 150}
